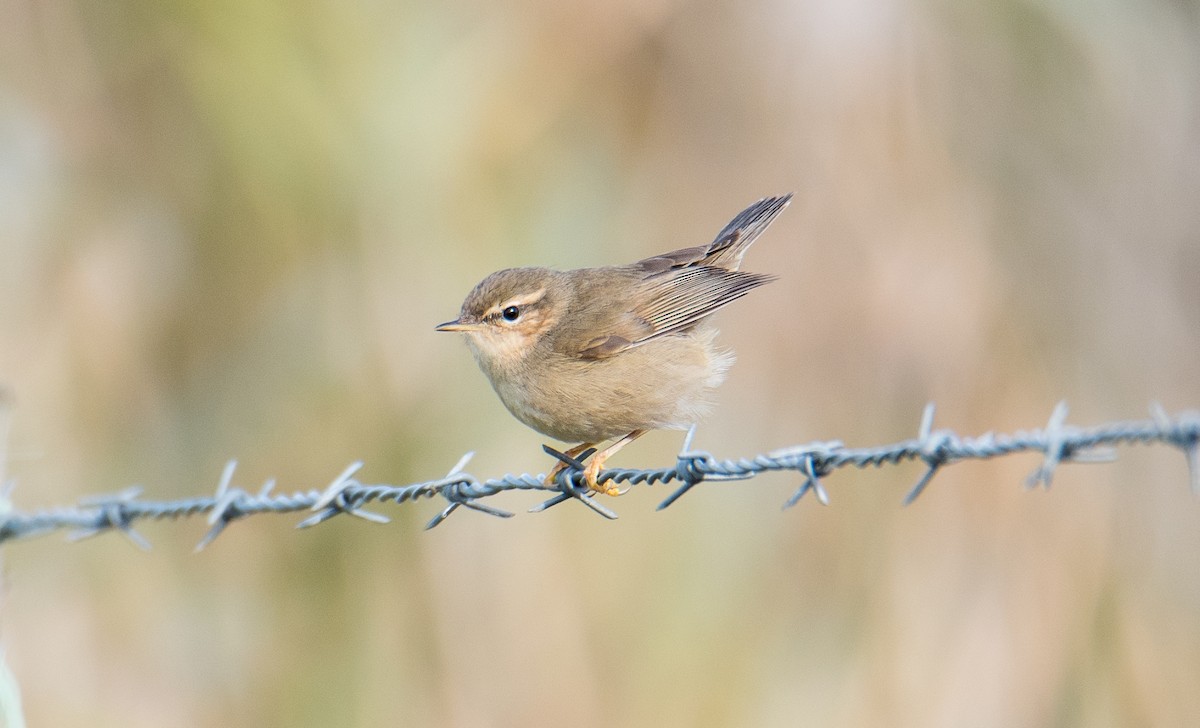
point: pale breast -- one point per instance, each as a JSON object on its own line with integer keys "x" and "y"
{"x": 666, "y": 383}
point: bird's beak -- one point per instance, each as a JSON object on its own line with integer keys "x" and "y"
{"x": 458, "y": 325}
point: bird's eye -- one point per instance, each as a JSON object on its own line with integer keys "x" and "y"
{"x": 512, "y": 313}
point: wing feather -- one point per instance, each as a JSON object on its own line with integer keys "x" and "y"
{"x": 681, "y": 300}
{"x": 671, "y": 292}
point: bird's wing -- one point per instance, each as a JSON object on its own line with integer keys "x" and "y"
{"x": 675, "y": 290}
{"x": 668, "y": 302}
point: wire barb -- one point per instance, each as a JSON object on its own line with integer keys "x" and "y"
{"x": 223, "y": 511}
{"x": 1055, "y": 449}
{"x": 112, "y": 514}
{"x": 459, "y": 491}
{"x": 1184, "y": 434}
{"x": 812, "y": 461}
{"x": 935, "y": 449}
{"x": 338, "y": 497}
{"x": 1057, "y": 442}
{"x": 687, "y": 468}
{"x": 567, "y": 481}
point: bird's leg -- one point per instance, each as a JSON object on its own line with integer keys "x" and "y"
{"x": 592, "y": 471}
{"x": 560, "y": 465}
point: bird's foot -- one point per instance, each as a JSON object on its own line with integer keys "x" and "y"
{"x": 559, "y": 466}
{"x": 566, "y": 459}
{"x": 592, "y": 472}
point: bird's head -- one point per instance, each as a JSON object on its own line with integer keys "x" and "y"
{"x": 506, "y": 315}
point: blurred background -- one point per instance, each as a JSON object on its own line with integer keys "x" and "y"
{"x": 228, "y": 229}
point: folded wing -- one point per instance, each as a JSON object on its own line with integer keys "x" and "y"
{"x": 672, "y": 302}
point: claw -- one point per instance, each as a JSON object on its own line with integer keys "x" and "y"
{"x": 592, "y": 473}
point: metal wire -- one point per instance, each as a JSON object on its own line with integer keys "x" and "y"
{"x": 1058, "y": 442}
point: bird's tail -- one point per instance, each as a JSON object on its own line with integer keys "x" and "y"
{"x": 727, "y": 249}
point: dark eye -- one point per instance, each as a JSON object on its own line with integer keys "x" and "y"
{"x": 512, "y": 313}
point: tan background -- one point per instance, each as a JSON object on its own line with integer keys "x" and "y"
{"x": 228, "y": 228}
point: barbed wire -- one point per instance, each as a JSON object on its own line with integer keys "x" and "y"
{"x": 1058, "y": 442}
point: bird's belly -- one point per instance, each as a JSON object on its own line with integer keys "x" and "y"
{"x": 664, "y": 384}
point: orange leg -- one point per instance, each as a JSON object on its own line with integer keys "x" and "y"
{"x": 592, "y": 471}
{"x": 560, "y": 466}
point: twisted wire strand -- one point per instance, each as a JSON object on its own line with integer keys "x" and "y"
{"x": 1058, "y": 442}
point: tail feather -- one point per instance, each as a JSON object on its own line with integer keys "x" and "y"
{"x": 727, "y": 249}
{"x": 730, "y": 245}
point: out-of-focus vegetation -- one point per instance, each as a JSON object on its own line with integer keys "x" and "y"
{"x": 227, "y": 230}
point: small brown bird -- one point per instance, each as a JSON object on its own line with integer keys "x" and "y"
{"x": 599, "y": 353}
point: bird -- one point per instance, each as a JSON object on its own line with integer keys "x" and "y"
{"x": 611, "y": 353}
